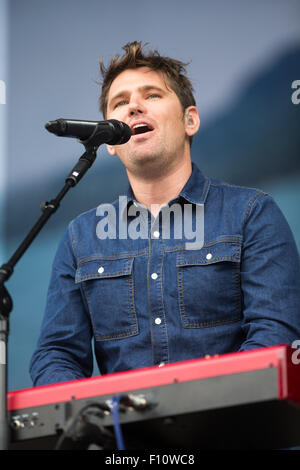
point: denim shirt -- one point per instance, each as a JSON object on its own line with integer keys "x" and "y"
{"x": 150, "y": 300}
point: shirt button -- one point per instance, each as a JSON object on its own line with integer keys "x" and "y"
{"x": 209, "y": 256}
{"x": 156, "y": 234}
{"x": 101, "y": 270}
{"x": 154, "y": 276}
{"x": 157, "y": 321}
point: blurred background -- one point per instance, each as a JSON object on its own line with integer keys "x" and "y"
{"x": 244, "y": 57}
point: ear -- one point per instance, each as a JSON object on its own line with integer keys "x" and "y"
{"x": 111, "y": 150}
{"x": 192, "y": 120}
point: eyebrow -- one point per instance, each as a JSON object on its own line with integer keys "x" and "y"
{"x": 143, "y": 88}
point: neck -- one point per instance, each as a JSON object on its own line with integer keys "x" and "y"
{"x": 159, "y": 191}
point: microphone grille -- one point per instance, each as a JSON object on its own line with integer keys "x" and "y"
{"x": 122, "y": 132}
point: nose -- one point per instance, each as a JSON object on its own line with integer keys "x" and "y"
{"x": 135, "y": 106}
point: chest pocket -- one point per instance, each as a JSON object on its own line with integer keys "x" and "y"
{"x": 108, "y": 287}
{"x": 209, "y": 285}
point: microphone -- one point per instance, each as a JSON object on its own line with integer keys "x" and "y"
{"x": 108, "y": 132}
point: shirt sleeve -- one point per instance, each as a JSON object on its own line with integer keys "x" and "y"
{"x": 64, "y": 350}
{"x": 270, "y": 277}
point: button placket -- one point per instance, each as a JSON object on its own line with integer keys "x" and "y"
{"x": 158, "y": 321}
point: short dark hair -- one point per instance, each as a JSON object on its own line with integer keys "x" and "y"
{"x": 173, "y": 70}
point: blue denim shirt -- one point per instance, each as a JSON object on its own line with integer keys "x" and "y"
{"x": 150, "y": 300}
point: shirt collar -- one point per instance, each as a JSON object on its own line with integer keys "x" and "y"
{"x": 196, "y": 188}
{"x": 194, "y": 191}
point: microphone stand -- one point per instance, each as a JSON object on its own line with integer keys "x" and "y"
{"x": 6, "y": 270}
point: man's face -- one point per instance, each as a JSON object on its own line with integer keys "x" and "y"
{"x": 142, "y": 99}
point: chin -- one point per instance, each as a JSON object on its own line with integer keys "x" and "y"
{"x": 149, "y": 166}
{"x": 145, "y": 158}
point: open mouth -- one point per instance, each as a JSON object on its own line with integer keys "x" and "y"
{"x": 141, "y": 129}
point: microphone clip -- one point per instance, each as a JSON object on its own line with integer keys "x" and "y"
{"x": 83, "y": 164}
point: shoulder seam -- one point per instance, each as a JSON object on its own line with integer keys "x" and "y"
{"x": 250, "y": 205}
{"x": 224, "y": 183}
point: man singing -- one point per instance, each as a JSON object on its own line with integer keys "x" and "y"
{"x": 163, "y": 297}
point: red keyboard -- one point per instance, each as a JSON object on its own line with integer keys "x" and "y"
{"x": 257, "y": 391}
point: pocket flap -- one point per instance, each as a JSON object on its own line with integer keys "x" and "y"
{"x": 211, "y": 253}
{"x": 103, "y": 268}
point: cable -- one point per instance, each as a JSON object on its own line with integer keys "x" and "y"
{"x": 117, "y": 427}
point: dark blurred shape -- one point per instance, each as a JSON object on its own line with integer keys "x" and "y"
{"x": 257, "y": 139}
